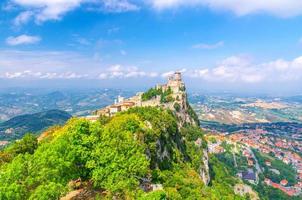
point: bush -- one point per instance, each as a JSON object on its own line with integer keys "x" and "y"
{"x": 192, "y": 133}
{"x": 177, "y": 107}
{"x": 156, "y": 195}
{"x": 151, "y": 93}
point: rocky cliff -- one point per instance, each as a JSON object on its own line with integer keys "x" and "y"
{"x": 171, "y": 97}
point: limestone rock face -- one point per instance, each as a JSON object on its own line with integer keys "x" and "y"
{"x": 171, "y": 96}
{"x": 180, "y": 104}
{"x": 204, "y": 171}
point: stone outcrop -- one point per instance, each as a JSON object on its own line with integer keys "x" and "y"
{"x": 242, "y": 190}
{"x": 204, "y": 171}
{"x": 177, "y": 102}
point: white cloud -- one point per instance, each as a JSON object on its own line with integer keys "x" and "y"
{"x": 49, "y": 9}
{"x": 119, "y": 6}
{"x": 70, "y": 65}
{"x": 169, "y": 73}
{"x": 62, "y": 65}
{"x": 238, "y": 69}
{"x": 22, "y": 39}
{"x": 23, "y": 18}
{"x": 282, "y": 8}
{"x": 118, "y": 71}
{"x": 208, "y": 46}
{"x": 44, "y": 10}
{"x": 42, "y": 75}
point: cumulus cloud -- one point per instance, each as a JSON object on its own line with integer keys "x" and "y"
{"x": 62, "y": 65}
{"x": 42, "y": 75}
{"x": 70, "y": 65}
{"x": 48, "y": 9}
{"x": 119, "y": 6}
{"x": 238, "y": 69}
{"x": 23, "y": 18}
{"x": 118, "y": 71}
{"x": 282, "y": 8}
{"x": 44, "y": 10}
{"x": 169, "y": 73}
{"x": 22, "y": 39}
{"x": 208, "y": 46}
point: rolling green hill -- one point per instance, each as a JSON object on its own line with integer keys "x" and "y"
{"x": 16, "y": 127}
{"x": 133, "y": 155}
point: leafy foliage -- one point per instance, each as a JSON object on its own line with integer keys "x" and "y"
{"x": 115, "y": 155}
{"x": 193, "y": 115}
{"x": 221, "y": 182}
{"x": 151, "y": 93}
{"x": 27, "y": 144}
{"x": 165, "y": 96}
{"x": 80, "y": 149}
{"x": 162, "y": 138}
{"x": 118, "y": 159}
{"x": 286, "y": 171}
{"x": 177, "y": 107}
{"x": 182, "y": 182}
{"x": 156, "y": 195}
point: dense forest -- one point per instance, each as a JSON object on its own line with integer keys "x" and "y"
{"x": 118, "y": 157}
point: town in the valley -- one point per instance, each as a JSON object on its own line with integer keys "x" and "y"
{"x": 259, "y": 156}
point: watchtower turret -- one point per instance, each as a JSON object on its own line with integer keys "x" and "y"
{"x": 177, "y": 76}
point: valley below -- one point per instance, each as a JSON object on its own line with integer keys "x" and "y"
{"x": 258, "y": 139}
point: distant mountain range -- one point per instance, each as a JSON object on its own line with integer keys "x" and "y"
{"x": 75, "y": 102}
{"x": 16, "y": 127}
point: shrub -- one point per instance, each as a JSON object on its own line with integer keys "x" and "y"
{"x": 177, "y": 107}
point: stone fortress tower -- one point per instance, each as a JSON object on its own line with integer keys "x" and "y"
{"x": 175, "y": 82}
{"x": 179, "y": 100}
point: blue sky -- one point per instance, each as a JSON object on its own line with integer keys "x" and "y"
{"x": 217, "y": 44}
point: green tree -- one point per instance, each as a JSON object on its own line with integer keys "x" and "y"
{"x": 28, "y": 144}
{"x": 119, "y": 160}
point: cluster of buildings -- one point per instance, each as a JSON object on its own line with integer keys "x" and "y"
{"x": 282, "y": 149}
{"x": 3, "y": 143}
{"x": 214, "y": 145}
{"x": 290, "y": 191}
{"x": 120, "y": 104}
{"x": 175, "y": 84}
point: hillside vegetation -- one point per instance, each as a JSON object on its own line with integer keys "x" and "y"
{"x": 119, "y": 157}
{"x": 16, "y": 127}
